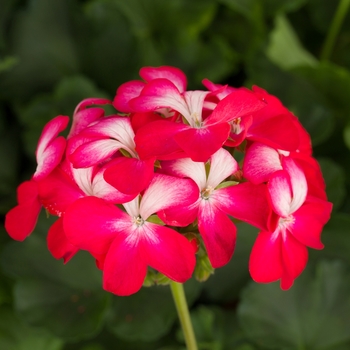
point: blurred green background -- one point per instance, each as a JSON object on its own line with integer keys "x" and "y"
{"x": 54, "y": 53}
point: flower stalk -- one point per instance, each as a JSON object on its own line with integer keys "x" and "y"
{"x": 179, "y": 297}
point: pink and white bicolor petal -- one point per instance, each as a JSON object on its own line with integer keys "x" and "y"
{"x": 222, "y": 165}
{"x": 280, "y": 191}
{"x": 218, "y": 233}
{"x": 50, "y": 148}
{"x": 173, "y": 74}
{"x": 185, "y": 167}
{"x": 125, "y": 93}
{"x": 260, "y": 162}
{"x": 83, "y": 116}
{"x": 157, "y": 94}
{"x": 167, "y": 191}
{"x": 297, "y": 181}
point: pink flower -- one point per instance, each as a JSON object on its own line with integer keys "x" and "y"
{"x": 126, "y": 242}
{"x": 244, "y": 201}
{"x": 281, "y": 253}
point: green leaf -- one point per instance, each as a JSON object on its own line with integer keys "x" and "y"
{"x": 336, "y": 239}
{"x": 335, "y": 181}
{"x": 44, "y": 55}
{"x": 334, "y": 84}
{"x": 148, "y": 314}
{"x": 313, "y": 314}
{"x": 8, "y": 63}
{"x": 9, "y": 157}
{"x": 285, "y": 49}
{"x": 16, "y": 335}
{"x": 216, "y": 329}
{"x": 66, "y": 299}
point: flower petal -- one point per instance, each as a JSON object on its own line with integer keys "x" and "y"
{"x": 175, "y": 75}
{"x": 280, "y": 192}
{"x": 200, "y": 144}
{"x": 129, "y": 175}
{"x": 169, "y": 252}
{"x": 309, "y": 221}
{"x": 156, "y": 139}
{"x": 125, "y": 93}
{"x": 124, "y": 268}
{"x": 58, "y": 244}
{"x": 237, "y": 104}
{"x": 222, "y": 165}
{"x": 91, "y": 224}
{"x": 165, "y": 192}
{"x": 265, "y": 263}
{"x": 20, "y": 221}
{"x": 246, "y": 202}
{"x": 218, "y": 232}
{"x": 260, "y": 162}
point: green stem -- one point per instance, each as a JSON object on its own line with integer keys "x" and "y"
{"x": 334, "y": 29}
{"x": 179, "y": 297}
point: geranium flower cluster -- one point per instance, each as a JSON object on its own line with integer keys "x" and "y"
{"x": 145, "y": 187}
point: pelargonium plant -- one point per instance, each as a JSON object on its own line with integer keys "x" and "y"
{"x": 153, "y": 191}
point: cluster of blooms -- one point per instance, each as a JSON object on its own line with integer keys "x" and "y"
{"x": 126, "y": 186}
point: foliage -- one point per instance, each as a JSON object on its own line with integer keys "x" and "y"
{"x": 53, "y": 53}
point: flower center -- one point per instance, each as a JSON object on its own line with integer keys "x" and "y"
{"x": 138, "y": 220}
{"x": 205, "y": 194}
{"x": 236, "y": 126}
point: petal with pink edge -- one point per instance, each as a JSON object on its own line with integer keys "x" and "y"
{"x": 280, "y": 192}
{"x": 167, "y": 192}
{"x": 125, "y": 93}
{"x": 222, "y": 165}
{"x": 93, "y": 152}
{"x": 157, "y": 94}
{"x": 168, "y": 252}
{"x": 58, "y": 244}
{"x": 260, "y": 162}
{"x": 50, "y": 158}
{"x": 91, "y": 224}
{"x": 200, "y": 144}
{"x": 175, "y": 75}
{"x": 83, "y": 118}
{"x": 298, "y": 183}
{"x": 218, "y": 232}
